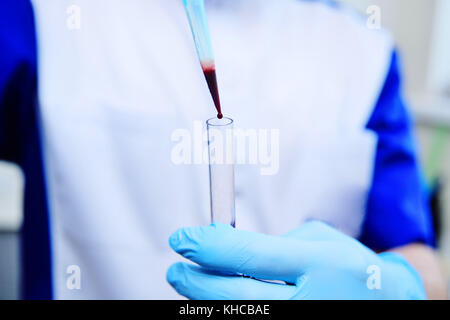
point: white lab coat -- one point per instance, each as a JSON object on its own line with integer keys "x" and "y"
{"x": 112, "y": 93}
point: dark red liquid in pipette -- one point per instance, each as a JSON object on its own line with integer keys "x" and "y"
{"x": 210, "y": 75}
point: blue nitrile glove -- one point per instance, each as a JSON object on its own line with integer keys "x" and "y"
{"x": 314, "y": 261}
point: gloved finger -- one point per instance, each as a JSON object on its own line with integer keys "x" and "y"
{"x": 197, "y": 283}
{"x": 315, "y": 231}
{"x": 221, "y": 247}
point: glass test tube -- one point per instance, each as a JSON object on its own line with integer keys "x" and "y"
{"x": 221, "y": 170}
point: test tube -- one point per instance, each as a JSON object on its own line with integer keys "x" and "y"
{"x": 221, "y": 170}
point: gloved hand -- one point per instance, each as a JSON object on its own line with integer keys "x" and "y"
{"x": 314, "y": 261}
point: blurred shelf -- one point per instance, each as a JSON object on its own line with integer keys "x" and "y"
{"x": 431, "y": 110}
{"x": 11, "y": 196}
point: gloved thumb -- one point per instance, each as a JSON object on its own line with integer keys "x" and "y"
{"x": 221, "y": 247}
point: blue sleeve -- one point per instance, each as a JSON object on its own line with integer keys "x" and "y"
{"x": 17, "y": 76}
{"x": 397, "y": 210}
{"x": 20, "y": 141}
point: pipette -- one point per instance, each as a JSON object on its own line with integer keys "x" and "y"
{"x": 195, "y": 11}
